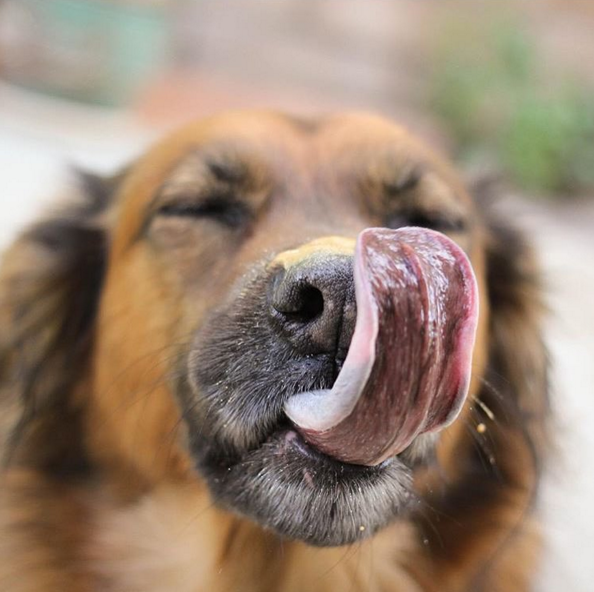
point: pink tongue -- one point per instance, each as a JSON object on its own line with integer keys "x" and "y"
{"x": 408, "y": 367}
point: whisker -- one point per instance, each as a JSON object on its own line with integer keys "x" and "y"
{"x": 342, "y": 559}
{"x": 484, "y": 407}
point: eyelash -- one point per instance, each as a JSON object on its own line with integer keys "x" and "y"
{"x": 230, "y": 213}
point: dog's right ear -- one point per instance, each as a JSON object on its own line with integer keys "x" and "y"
{"x": 50, "y": 282}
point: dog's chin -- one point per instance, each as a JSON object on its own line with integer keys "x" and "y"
{"x": 287, "y": 486}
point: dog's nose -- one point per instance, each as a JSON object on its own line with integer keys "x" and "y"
{"x": 312, "y": 296}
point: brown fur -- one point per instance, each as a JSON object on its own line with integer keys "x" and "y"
{"x": 99, "y": 491}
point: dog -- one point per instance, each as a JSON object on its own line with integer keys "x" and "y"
{"x": 157, "y": 327}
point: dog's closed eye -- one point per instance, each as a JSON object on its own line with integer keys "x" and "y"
{"x": 225, "y": 210}
{"x": 426, "y": 219}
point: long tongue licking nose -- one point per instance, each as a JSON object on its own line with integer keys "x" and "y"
{"x": 407, "y": 370}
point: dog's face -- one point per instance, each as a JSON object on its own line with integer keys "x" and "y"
{"x": 229, "y": 288}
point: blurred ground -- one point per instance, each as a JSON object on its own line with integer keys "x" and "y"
{"x": 317, "y": 57}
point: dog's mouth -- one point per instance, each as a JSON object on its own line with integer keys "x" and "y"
{"x": 303, "y": 451}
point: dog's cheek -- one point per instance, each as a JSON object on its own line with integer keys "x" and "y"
{"x": 135, "y": 422}
{"x": 193, "y": 254}
{"x": 236, "y": 373}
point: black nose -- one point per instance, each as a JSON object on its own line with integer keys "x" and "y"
{"x": 313, "y": 304}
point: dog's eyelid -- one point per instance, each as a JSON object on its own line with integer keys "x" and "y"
{"x": 407, "y": 181}
{"x": 442, "y": 221}
{"x": 227, "y": 172}
{"x": 229, "y": 211}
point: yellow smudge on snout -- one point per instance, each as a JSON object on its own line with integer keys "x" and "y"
{"x": 327, "y": 245}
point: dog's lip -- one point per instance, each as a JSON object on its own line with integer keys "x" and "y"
{"x": 285, "y": 436}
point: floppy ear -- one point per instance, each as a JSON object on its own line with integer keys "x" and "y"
{"x": 50, "y": 282}
{"x": 517, "y": 379}
{"x": 513, "y": 401}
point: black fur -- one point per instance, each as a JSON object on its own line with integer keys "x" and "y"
{"x": 48, "y": 308}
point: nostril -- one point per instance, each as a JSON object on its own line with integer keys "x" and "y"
{"x": 308, "y": 304}
{"x": 298, "y": 302}
{"x": 312, "y": 305}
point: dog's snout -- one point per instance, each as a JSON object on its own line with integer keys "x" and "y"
{"x": 313, "y": 304}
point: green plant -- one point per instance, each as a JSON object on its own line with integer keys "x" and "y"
{"x": 497, "y": 101}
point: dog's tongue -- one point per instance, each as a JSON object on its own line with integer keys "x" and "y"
{"x": 407, "y": 370}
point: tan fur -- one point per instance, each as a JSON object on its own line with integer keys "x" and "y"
{"x": 171, "y": 540}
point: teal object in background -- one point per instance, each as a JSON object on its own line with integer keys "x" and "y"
{"x": 98, "y": 51}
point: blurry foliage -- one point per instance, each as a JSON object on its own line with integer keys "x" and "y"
{"x": 499, "y": 103}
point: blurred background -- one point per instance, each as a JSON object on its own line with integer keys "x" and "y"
{"x": 505, "y": 88}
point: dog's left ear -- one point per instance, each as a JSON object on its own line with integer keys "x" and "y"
{"x": 50, "y": 282}
{"x": 518, "y": 358}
